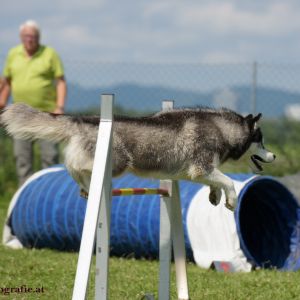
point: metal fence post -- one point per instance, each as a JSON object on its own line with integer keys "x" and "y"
{"x": 254, "y": 87}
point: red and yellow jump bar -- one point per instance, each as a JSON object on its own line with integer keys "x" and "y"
{"x": 139, "y": 191}
{"x": 133, "y": 191}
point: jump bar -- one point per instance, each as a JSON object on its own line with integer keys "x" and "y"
{"x": 140, "y": 191}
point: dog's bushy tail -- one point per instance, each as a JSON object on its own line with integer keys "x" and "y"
{"x": 25, "y": 122}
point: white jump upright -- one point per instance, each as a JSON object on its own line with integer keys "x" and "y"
{"x": 97, "y": 221}
{"x": 178, "y": 244}
{"x": 99, "y": 197}
{"x": 171, "y": 233}
{"x": 165, "y": 239}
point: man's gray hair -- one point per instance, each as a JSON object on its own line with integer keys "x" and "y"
{"x": 32, "y": 24}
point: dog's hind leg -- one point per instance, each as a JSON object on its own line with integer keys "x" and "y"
{"x": 121, "y": 162}
{"x": 217, "y": 179}
{"x": 84, "y": 182}
{"x": 83, "y": 179}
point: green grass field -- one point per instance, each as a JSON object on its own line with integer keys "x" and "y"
{"x": 53, "y": 272}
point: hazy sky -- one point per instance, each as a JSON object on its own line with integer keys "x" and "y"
{"x": 160, "y": 31}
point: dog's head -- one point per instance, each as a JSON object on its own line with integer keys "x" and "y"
{"x": 258, "y": 153}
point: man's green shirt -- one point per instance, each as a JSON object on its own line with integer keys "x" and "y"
{"x": 33, "y": 79}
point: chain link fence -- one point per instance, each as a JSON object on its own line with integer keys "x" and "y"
{"x": 272, "y": 89}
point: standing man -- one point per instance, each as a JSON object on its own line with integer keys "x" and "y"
{"x": 34, "y": 75}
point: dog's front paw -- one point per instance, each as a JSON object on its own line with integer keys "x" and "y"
{"x": 231, "y": 201}
{"x": 215, "y": 196}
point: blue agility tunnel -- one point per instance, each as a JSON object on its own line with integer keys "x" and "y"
{"x": 47, "y": 211}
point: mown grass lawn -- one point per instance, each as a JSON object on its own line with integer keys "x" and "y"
{"x": 131, "y": 279}
{"x": 53, "y": 273}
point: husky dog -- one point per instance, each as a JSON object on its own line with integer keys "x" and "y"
{"x": 185, "y": 144}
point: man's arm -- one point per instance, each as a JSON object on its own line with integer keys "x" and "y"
{"x": 61, "y": 93}
{"x": 4, "y": 93}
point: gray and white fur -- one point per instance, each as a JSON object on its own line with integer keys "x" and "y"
{"x": 185, "y": 144}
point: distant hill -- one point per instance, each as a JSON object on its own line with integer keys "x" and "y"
{"x": 271, "y": 102}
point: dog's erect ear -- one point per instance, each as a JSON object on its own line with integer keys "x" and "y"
{"x": 257, "y": 118}
{"x": 252, "y": 121}
{"x": 249, "y": 118}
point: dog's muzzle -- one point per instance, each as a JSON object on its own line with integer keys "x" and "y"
{"x": 257, "y": 161}
{"x": 260, "y": 155}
